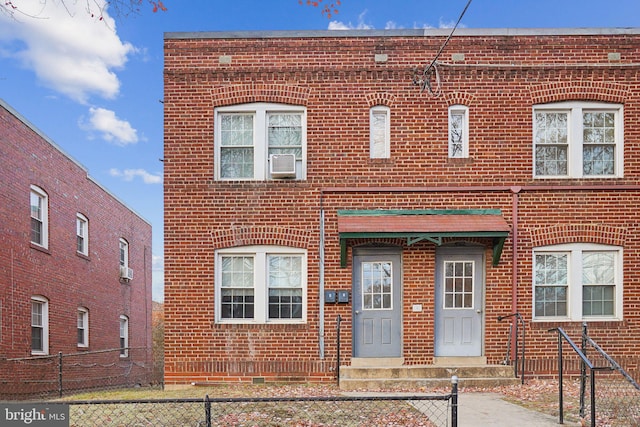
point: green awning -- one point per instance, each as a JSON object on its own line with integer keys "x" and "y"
{"x": 418, "y": 225}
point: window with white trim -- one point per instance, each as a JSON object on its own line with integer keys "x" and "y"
{"x": 124, "y": 336}
{"x": 82, "y": 234}
{"x": 39, "y": 217}
{"x": 247, "y": 135}
{"x": 83, "y": 327}
{"x": 124, "y": 253}
{"x": 458, "y": 131}
{"x": 39, "y": 325}
{"x": 380, "y": 132}
{"x": 577, "y": 282}
{"x": 261, "y": 284}
{"x": 578, "y": 140}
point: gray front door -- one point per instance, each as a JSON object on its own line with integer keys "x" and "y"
{"x": 377, "y": 305}
{"x": 459, "y": 302}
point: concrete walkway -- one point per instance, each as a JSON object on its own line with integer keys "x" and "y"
{"x": 490, "y": 410}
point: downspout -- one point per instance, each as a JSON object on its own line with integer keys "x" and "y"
{"x": 514, "y": 263}
{"x": 321, "y": 281}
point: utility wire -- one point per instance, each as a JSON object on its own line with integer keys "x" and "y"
{"x": 450, "y": 35}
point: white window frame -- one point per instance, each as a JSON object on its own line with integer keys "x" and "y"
{"x": 124, "y": 253}
{"x": 124, "y": 336}
{"x": 83, "y": 327}
{"x": 574, "y": 281}
{"x": 260, "y": 282}
{"x": 82, "y": 234}
{"x": 41, "y": 322}
{"x": 455, "y": 110}
{"x": 260, "y": 111}
{"x": 574, "y": 110}
{"x": 43, "y": 219}
{"x": 379, "y": 138}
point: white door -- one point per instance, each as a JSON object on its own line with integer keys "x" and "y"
{"x": 459, "y": 302}
{"x": 377, "y": 313}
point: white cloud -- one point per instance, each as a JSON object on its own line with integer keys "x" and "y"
{"x": 112, "y": 129}
{"x": 131, "y": 174}
{"x": 69, "y": 49}
{"x": 338, "y": 25}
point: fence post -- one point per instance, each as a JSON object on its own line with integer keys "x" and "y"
{"x": 454, "y": 401}
{"x": 338, "y": 320}
{"x": 59, "y": 374}
{"x": 207, "y": 410}
{"x": 583, "y": 371}
{"x": 560, "y": 368}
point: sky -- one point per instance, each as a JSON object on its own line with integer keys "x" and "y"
{"x": 92, "y": 81}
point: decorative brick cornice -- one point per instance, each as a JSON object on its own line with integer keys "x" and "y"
{"x": 260, "y": 92}
{"x": 566, "y": 90}
{"x": 578, "y": 233}
{"x": 380, "y": 98}
{"x": 260, "y": 235}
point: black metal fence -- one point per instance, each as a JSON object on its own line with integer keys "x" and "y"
{"x": 42, "y": 377}
{"x": 608, "y": 396}
{"x": 369, "y": 411}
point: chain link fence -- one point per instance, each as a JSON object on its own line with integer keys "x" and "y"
{"x": 343, "y": 411}
{"x": 43, "y": 377}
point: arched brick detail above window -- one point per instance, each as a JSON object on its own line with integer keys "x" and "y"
{"x": 459, "y": 98}
{"x": 380, "y": 98}
{"x": 578, "y": 233}
{"x": 579, "y": 91}
{"x": 260, "y": 235}
{"x": 259, "y": 92}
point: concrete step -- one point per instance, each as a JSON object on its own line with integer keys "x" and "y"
{"x": 424, "y": 376}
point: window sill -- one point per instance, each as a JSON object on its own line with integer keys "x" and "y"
{"x": 591, "y": 323}
{"x": 83, "y": 256}
{"x": 460, "y": 161}
{"x": 40, "y": 248}
{"x": 264, "y": 326}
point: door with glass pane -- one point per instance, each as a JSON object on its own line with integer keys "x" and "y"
{"x": 377, "y": 312}
{"x": 459, "y": 302}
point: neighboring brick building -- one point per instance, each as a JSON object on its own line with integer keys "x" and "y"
{"x": 75, "y": 272}
{"x": 303, "y": 169}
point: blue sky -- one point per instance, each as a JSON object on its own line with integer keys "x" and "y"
{"x": 94, "y": 86}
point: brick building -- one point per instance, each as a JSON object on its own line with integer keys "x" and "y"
{"x": 75, "y": 270}
{"x": 317, "y": 176}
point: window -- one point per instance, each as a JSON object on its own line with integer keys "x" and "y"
{"x": 380, "y": 132}
{"x": 39, "y": 325}
{"x": 578, "y": 140}
{"x": 247, "y": 135}
{"x": 259, "y": 284}
{"x": 124, "y": 254}
{"x": 124, "y": 336}
{"x": 577, "y": 281}
{"x": 39, "y": 217}
{"x": 458, "y": 131}
{"x": 82, "y": 233}
{"x": 83, "y": 327}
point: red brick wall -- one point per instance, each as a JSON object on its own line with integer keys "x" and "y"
{"x": 66, "y": 279}
{"x": 337, "y": 79}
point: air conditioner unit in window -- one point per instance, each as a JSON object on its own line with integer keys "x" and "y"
{"x": 126, "y": 273}
{"x": 282, "y": 165}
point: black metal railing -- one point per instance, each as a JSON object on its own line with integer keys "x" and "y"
{"x": 613, "y": 395}
{"x": 518, "y": 334}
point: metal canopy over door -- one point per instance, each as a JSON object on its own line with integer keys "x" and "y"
{"x": 459, "y": 302}
{"x": 377, "y": 305}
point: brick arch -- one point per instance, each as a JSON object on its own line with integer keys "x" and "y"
{"x": 578, "y": 233}
{"x": 459, "y": 98}
{"x": 260, "y": 92}
{"x": 380, "y": 98}
{"x": 579, "y": 91}
{"x": 260, "y": 235}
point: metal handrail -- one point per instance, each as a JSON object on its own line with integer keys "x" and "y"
{"x": 519, "y": 321}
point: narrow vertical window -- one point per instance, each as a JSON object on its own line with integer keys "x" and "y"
{"x": 39, "y": 325}
{"x": 458, "y": 131}
{"x": 39, "y": 217}
{"x": 126, "y": 272}
{"x": 82, "y": 234}
{"x": 83, "y": 327}
{"x": 380, "y": 145}
{"x": 124, "y": 336}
